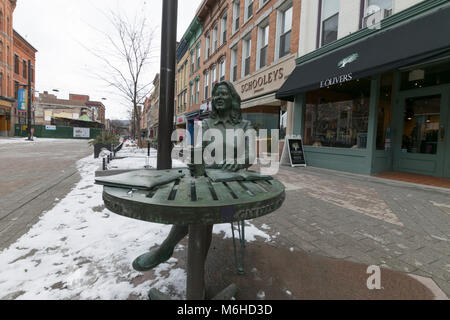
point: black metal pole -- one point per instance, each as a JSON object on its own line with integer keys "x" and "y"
{"x": 167, "y": 83}
{"x": 29, "y": 102}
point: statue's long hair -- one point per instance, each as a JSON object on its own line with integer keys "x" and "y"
{"x": 236, "y": 112}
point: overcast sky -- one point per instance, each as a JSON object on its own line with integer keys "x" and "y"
{"x": 58, "y": 29}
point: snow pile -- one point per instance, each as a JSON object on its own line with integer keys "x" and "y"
{"x": 80, "y": 250}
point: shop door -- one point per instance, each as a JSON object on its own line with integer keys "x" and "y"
{"x": 422, "y": 141}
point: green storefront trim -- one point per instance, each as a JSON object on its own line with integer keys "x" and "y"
{"x": 59, "y": 133}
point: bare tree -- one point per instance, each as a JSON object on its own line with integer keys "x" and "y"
{"x": 126, "y": 56}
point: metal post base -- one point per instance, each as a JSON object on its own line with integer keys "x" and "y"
{"x": 199, "y": 242}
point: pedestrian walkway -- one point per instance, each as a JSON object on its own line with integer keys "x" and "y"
{"x": 400, "y": 226}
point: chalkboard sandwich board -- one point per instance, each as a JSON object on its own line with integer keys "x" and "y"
{"x": 293, "y": 153}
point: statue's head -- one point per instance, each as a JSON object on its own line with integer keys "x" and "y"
{"x": 225, "y": 99}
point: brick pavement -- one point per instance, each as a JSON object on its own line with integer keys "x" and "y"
{"x": 395, "y": 225}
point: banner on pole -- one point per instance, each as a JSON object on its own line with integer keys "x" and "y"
{"x": 22, "y": 99}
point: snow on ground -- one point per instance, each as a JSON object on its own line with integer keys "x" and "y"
{"x": 6, "y": 141}
{"x": 80, "y": 250}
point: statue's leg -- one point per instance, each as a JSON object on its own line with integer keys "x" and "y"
{"x": 163, "y": 253}
{"x": 199, "y": 243}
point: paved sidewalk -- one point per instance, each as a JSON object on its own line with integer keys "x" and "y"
{"x": 395, "y": 225}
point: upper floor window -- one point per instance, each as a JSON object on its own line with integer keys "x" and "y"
{"x": 248, "y": 9}
{"x": 236, "y": 14}
{"x": 192, "y": 94}
{"x": 222, "y": 70}
{"x": 24, "y": 69}
{"x": 285, "y": 32}
{"x": 262, "y": 3}
{"x": 329, "y": 21}
{"x": 16, "y": 64}
{"x": 198, "y": 55}
{"x": 263, "y": 44}
{"x": 197, "y": 90}
{"x": 234, "y": 63}
{"x": 213, "y": 77}
{"x": 207, "y": 46}
{"x": 376, "y": 10}
{"x": 206, "y": 84}
{"x": 192, "y": 62}
{"x": 214, "y": 39}
{"x": 223, "y": 29}
{"x": 246, "y": 53}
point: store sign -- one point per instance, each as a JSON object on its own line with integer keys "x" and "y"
{"x": 181, "y": 120}
{"x": 266, "y": 81}
{"x": 336, "y": 80}
{"x": 81, "y": 132}
{"x": 50, "y": 128}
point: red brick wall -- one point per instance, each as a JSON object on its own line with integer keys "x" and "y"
{"x": 211, "y": 13}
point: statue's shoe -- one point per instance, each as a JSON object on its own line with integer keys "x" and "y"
{"x": 151, "y": 259}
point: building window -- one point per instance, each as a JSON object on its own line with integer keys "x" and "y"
{"x": 208, "y": 46}
{"x": 192, "y": 94}
{"x": 24, "y": 69}
{"x": 262, "y": 3}
{"x": 192, "y": 62}
{"x": 223, "y": 29}
{"x": 32, "y": 74}
{"x": 214, "y": 39}
{"x": 236, "y": 14}
{"x": 206, "y": 85}
{"x": 263, "y": 36}
{"x": 16, "y": 64}
{"x": 197, "y": 90}
{"x": 285, "y": 34}
{"x": 222, "y": 70}
{"x": 338, "y": 116}
{"x": 1, "y": 51}
{"x": 1, "y": 83}
{"x": 234, "y": 63}
{"x": 329, "y": 21}
{"x": 246, "y": 52}
{"x": 213, "y": 78}
{"x": 198, "y": 55}
{"x": 248, "y": 9}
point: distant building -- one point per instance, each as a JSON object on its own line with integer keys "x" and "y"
{"x": 154, "y": 109}
{"x": 78, "y": 111}
{"x": 23, "y": 52}
{"x": 121, "y": 128}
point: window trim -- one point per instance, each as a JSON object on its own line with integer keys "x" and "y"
{"x": 262, "y": 26}
{"x": 280, "y": 11}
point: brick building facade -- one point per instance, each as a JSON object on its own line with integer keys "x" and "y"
{"x": 252, "y": 44}
{"x": 6, "y": 67}
{"x": 23, "y": 52}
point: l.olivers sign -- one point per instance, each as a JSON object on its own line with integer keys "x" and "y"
{"x": 341, "y": 78}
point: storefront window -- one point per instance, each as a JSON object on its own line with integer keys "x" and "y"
{"x": 434, "y": 75}
{"x": 421, "y": 125}
{"x": 384, "y": 134}
{"x": 338, "y": 116}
